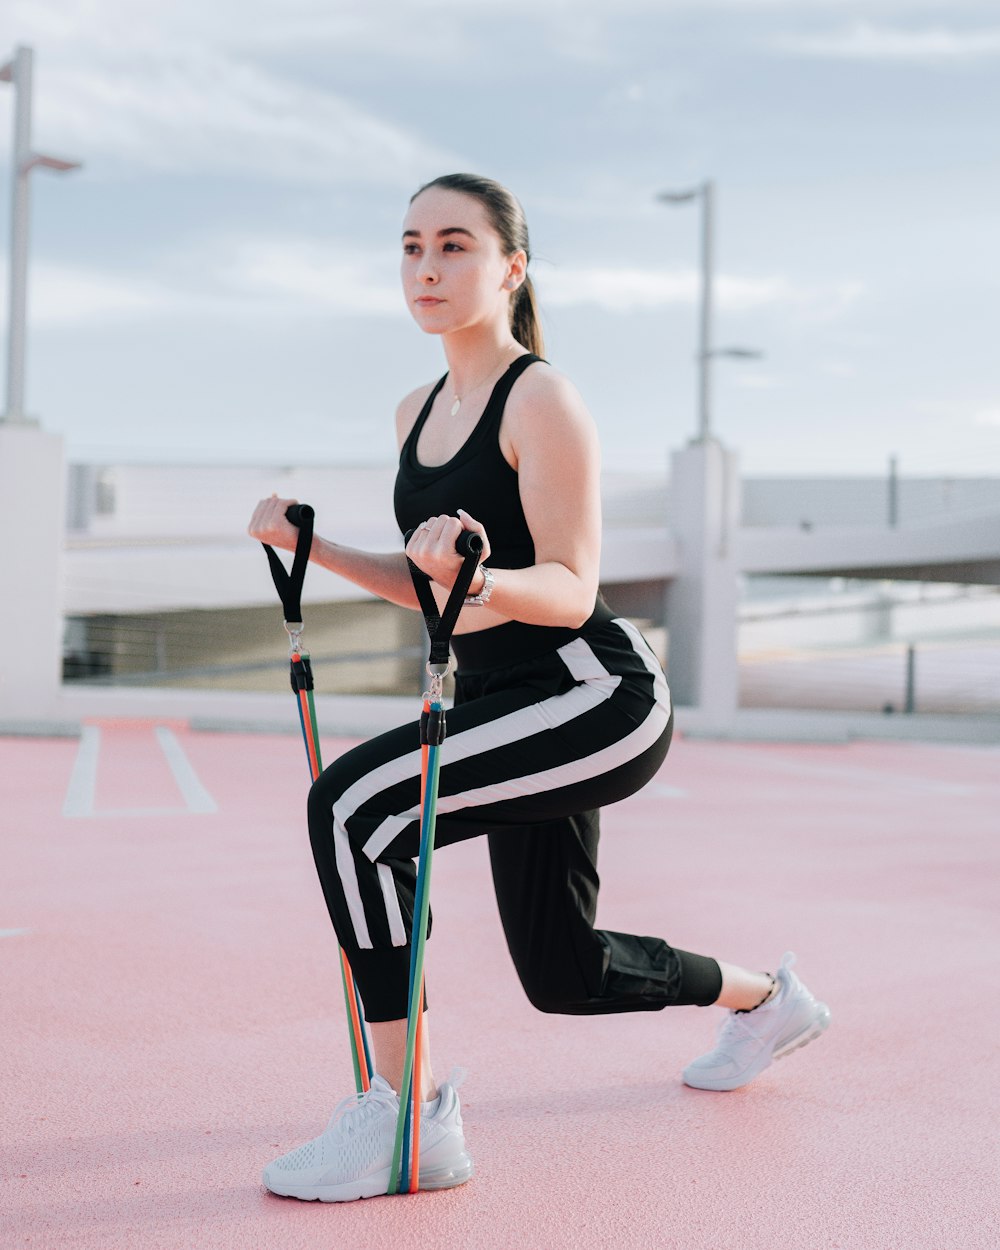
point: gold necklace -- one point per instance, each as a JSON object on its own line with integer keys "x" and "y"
{"x": 458, "y": 398}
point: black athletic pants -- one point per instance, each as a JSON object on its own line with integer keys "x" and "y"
{"x": 536, "y": 744}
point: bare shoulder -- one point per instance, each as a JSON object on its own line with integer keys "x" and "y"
{"x": 409, "y": 409}
{"x": 545, "y": 404}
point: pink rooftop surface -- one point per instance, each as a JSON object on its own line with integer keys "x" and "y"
{"x": 172, "y": 1014}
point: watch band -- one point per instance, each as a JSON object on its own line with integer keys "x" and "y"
{"x": 483, "y": 598}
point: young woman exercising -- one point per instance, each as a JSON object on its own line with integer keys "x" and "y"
{"x": 560, "y": 709}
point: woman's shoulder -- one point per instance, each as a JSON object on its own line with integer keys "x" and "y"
{"x": 545, "y": 395}
{"x": 409, "y": 409}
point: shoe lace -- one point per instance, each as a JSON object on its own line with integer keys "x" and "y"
{"x": 356, "y": 1110}
{"x": 735, "y": 1029}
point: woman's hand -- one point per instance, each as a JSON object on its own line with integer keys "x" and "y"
{"x": 270, "y": 525}
{"x": 432, "y": 547}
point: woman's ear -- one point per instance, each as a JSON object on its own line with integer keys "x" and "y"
{"x": 517, "y": 268}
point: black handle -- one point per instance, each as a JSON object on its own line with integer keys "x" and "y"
{"x": 289, "y": 585}
{"x": 469, "y": 545}
{"x": 297, "y": 513}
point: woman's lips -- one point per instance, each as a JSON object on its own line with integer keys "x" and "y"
{"x": 428, "y": 301}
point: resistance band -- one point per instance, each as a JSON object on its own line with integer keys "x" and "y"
{"x": 289, "y": 588}
{"x": 404, "y": 1175}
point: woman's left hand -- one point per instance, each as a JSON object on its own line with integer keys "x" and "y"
{"x": 432, "y": 546}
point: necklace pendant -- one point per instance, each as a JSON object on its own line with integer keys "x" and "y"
{"x": 455, "y": 406}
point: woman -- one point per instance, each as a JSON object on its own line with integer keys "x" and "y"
{"x": 560, "y": 708}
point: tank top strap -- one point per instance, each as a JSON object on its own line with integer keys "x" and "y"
{"x": 421, "y": 421}
{"x": 498, "y": 399}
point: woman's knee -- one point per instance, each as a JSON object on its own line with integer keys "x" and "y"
{"x": 555, "y": 993}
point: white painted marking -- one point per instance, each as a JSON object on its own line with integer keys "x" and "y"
{"x": 13, "y": 932}
{"x": 82, "y": 789}
{"x": 195, "y": 795}
{"x": 83, "y": 779}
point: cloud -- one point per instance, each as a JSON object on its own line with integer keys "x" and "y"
{"x": 987, "y": 416}
{"x": 627, "y": 290}
{"x": 163, "y": 101}
{"x": 234, "y": 279}
{"x": 756, "y": 381}
{"x": 135, "y": 26}
{"x": 865, "y": 42}
{"x": 61, "y": 295}
{"x": 328, "y": 277}
{"x": 837, "y": 368}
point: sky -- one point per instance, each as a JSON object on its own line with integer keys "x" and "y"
{"x": 219, "y": 282}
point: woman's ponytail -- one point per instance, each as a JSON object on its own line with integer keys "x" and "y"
{"x": 524, "y": 321}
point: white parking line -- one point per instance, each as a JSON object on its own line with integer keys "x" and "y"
{"x": 82, "y": 788}
{"x": 195, "y": 795}
{"x": 83, "y": 779}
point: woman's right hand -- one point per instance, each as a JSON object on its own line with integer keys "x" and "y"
{"x": 270, "y": 525}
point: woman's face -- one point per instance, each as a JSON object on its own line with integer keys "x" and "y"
{"x": 453, "y": 267}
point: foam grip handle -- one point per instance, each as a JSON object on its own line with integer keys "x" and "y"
{"x": 299, "y": 512}
{"x": 469, "y": 543}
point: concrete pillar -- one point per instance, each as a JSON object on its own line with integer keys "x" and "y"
{"x": 702, "y": 601}
{"x": 32, "y": 521}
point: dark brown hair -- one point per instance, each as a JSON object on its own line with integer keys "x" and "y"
{"x": 507, "y": 219}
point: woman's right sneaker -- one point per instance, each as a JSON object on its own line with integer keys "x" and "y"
{"x": 353, "y": 1157}
{"x": 749, "y": 1040}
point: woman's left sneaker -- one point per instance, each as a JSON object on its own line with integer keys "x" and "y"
{"x": 749, "y": 1040}
{"x": 353, "y": 1157}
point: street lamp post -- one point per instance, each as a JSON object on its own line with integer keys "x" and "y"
{"x": 32, "y": 462}
{"x": 702, "y": 597}
{"x": 18, "y": 73}
{"x": 705, "y": 192}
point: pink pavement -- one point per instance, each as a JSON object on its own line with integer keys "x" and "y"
{"x": 172, "y": 1014}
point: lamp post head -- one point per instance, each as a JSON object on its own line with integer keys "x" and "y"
{"x": 36, "y": 160}
{"x": 738, "y": 353}
{"x": 678, "y": 197}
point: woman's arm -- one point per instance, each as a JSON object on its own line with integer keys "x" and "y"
{"x": 383, "y": 573}
{"x": 550, "y": 438}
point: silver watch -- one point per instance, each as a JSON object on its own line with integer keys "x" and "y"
{"x": 483, "y": 598}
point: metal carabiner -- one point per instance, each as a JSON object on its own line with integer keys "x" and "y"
{"x": 437, "y": 673}
{"x": 294, "y": 631}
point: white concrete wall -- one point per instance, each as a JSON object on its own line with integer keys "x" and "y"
{"x": 172, "y": 538}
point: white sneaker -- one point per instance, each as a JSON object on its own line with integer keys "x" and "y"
{"x": 748, "y": 1041}
{"x": 353, "y": 1157}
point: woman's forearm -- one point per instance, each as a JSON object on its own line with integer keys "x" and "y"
{"x": 382, "y": 573}
{"x": 544, "y": 594}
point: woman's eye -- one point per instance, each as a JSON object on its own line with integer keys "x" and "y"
{"x": 453, "y": 247}
{"x": 409, "y": 249}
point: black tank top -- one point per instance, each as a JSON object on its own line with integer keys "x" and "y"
{"x": 477, "y": 478}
